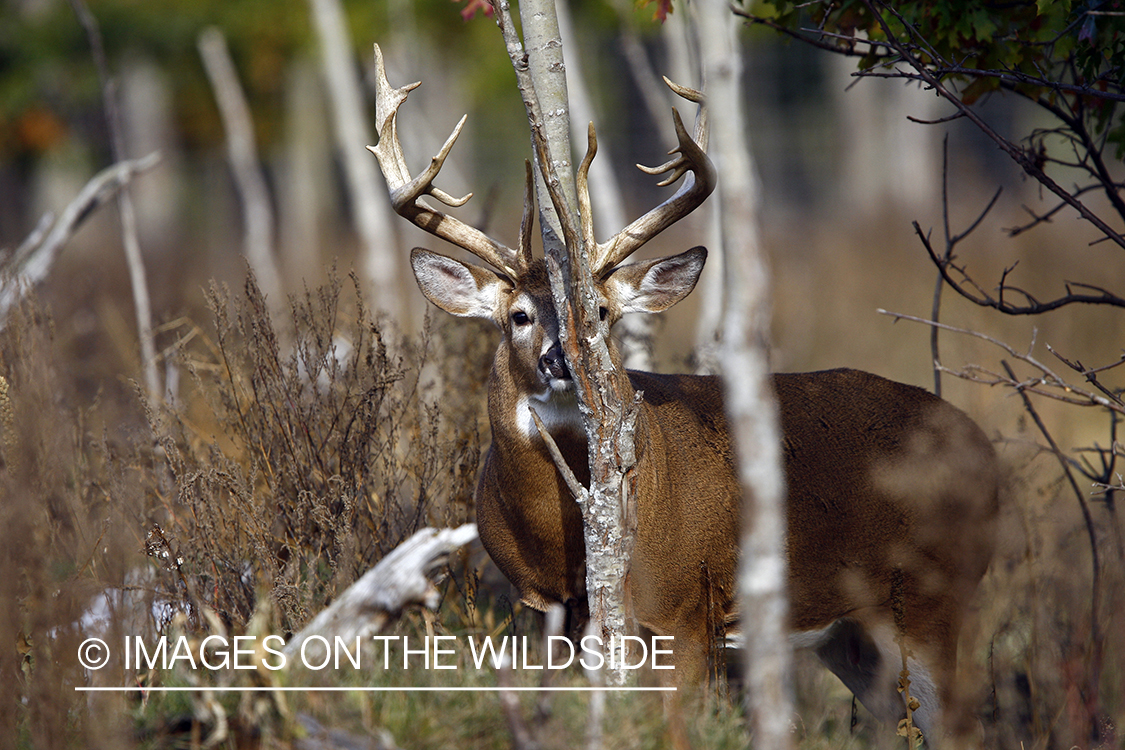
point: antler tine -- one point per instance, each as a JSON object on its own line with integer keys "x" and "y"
{"x": 691, "y": 157}
{"x": 524, "y": 255}
{"x": 696, "y": 97}
{"x": 407, "y": 192}
{"x": 582, "y": 184}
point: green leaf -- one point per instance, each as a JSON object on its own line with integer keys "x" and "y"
{"x": 1048, "y": 7}
{"x": 766, "y": 10}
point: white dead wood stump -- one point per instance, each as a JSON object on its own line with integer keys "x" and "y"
{"x": 376, "y": 599}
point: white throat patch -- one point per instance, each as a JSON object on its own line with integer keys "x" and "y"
{"x": 558, "y": 410}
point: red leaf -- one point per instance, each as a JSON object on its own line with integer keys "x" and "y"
{"x": 471, "y": 8}
{"x": 663, "y": 8}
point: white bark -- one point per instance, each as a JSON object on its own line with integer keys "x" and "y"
{"x": 608, "y": 506}
{"x": 370, "y": 209}
{"x": 751, "y": 408}
{"x": 242, "y": 150}
{"x": 634, "y": 332}
{"x": 547, "y": 72}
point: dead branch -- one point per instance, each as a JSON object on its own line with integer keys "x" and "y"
{"x": 134, "y": 258}
{"x": 951, "y": 242}
{"x": 1091, "y": 374}
{"x": 1095, "y": 584}
{"x": 1048, "y": 383}
{"x": 32, "y": 261}
{"x": 968, "y": 288}
{"x": 399, "y": 580}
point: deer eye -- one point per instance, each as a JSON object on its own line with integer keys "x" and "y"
{"x": 520, "y": 318}
{"x": 602, "y": 313}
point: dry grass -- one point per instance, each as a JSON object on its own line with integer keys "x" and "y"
{"x": 311, "y": 452}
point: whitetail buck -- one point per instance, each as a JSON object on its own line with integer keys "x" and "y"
{"x": 892, "y": 491}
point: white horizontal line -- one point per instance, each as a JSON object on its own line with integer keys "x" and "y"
{"x": 260, "y": 689}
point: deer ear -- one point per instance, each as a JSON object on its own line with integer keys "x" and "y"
{"x": 655, "y": 285}
{"x": 459, "y": 288}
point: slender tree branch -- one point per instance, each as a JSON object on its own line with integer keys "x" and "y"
{"x": 1091, "y": 375}
{"x": 1015, "y": 153}
{"x": 133, "y": 256}
{"x": 1095, "y": 661}
{"x": 1037, "y": 219}
{"x": 561, "y": 465}
{"x": 1048, "y": 384}
{"x": 32, "y": 261}
{"x": 1032, "y": 306}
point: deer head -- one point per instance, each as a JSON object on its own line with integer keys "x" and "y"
{"x": 513, "y": 291}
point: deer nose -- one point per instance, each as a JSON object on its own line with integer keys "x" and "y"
{"x": 553, "y": 364}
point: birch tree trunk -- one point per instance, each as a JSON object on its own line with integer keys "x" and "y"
{"x": 242, "y": 150}
{"x": 634, "y": 331}
{"x": 751, "y": 406}
{"x": 604, "y": 393}
{"x": 370, "y": 210}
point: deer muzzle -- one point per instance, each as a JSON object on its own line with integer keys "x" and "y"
{"x": 552, "y": 365}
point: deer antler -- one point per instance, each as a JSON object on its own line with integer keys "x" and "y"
{"x": 690, "y": 156}
{"x": 407, "y": 192}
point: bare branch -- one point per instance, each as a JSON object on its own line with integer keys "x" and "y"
{"x": 133, "y": 257}
{"x": 1095, "y": 593}
{"x": 1091, "y": 375}
{"x": 572, "y": 482}
{"x": 979, "y": 296}
{"x": 1037, "y": 219}
{"x": 1049, "y": 384}
{"x": 30, "y": 264}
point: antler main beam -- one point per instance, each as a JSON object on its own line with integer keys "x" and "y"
{"x": 690, "y": 156}
{"x": 407, "y": 192}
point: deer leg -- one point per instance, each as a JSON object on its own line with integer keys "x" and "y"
{"x": 868, "y": 661}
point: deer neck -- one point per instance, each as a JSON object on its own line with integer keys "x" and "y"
{"x": 510, "y": 405}
{"x": 515, "y": 436}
